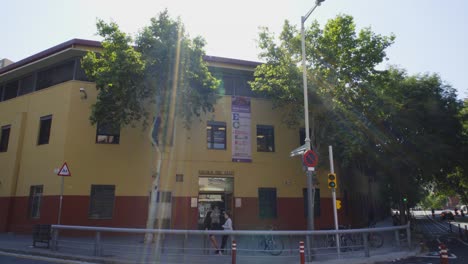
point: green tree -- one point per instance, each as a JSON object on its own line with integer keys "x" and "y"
{"x": 138, "y": 81}
{"x": 401, "y": 131}
{"x": 339, "y": 64}
{"x": 118, "y": 71}
{"x": 340, "y": 67}
{"x": 162, "y": 73}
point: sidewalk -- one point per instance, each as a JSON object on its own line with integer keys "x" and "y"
{"x": 123, "y": 250}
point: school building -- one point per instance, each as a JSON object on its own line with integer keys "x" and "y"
{"x": 237, "y": 158}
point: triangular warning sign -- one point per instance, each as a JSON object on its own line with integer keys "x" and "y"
{"x": 64, "y": 171}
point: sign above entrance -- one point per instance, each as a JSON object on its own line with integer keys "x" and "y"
{"x": 64, "y": 171}
{"x": 215, "y": 172}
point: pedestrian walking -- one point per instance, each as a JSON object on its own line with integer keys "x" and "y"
{"x": 207, "y": 224}
{"x": 215, "y": 218}
{"x": 227, "y": 226}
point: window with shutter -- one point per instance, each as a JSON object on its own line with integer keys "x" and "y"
{"x": 316, "y": 202}
{"x": 267, "y": 203}
{"x": 35, "y": 197}
{"x": 101, "y": 201}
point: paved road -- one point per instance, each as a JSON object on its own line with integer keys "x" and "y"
{"x": 18, "y": 260}
{"x": 435, "y": 232}
{"x": 11, "y": 258}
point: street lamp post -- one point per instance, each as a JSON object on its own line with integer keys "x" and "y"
{"x": 310, "y": 189}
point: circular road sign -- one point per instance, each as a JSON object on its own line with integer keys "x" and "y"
{"x": 310, "y": 159}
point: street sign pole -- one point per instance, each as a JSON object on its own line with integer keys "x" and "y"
{"x": 60, "y": 202}
{"x": 63, "y": 172}
{"x": 310, "y": 160}
{"x": 335, "y": 213}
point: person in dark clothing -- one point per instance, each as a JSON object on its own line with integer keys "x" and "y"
{"x": 207, "y": 225}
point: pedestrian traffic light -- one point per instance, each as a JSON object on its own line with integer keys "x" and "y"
{"x": 338, "y": 204}
{"x": 331, "y": 180}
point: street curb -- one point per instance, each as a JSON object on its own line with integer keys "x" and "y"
{"x": 64, "y": 257}
{"x": 373, "y": 259}
{"x": 57, "y": 256}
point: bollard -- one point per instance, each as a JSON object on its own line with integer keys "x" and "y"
{"x": 301, "y": 251}
{"x": 450, "y": 227}
{"x": 97, "y": 245}
{"x": 234, "y": 251}
{"x": 460, "y": 231}
{"x": 466, "y": 232}
{"x": 443, "y": 254}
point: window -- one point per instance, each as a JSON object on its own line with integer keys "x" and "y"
{"x": 44, "y": 130}
{"x": 11, "y": 90}
{"x": 265, "y": 138}
{"x": 216, "y": 135}
{"x": 101, "y": 204}
{"x": 234, "y": 82}
{"x": 179, "y": 178}
{"x": 79, "y": 72}
{"x": 106, "y": 133}
{"x": 55, "y": 75}
{"x": 4, "y": 137}
{"x": 316, "y": 202}
{"x": 26, "y": 85}
{"x": 267, "y": 203}
{"x": 164, "y": 197}
{"x": 1, "y": 92}
{"x": 35, "y": 197}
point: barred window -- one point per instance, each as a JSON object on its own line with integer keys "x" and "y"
{"x": 35, "y": 197}
{"x": 267, "y": 203}
{"x": 316, "y": 202}
{"x": 101, "y": 201}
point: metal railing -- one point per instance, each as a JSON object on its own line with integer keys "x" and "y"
{"x": 171, "y": 245}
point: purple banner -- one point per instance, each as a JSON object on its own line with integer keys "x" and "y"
{"x": 241, "y": 138}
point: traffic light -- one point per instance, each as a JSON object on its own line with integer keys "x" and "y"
{"x": 405, "y": 200}
{"x": 331, "y": 180}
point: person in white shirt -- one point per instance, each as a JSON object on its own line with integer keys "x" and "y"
{"x": 227, "y": 226}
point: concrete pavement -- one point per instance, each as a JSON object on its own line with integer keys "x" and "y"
{"x": 131, "y": 250}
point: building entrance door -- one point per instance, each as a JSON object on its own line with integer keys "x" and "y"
{"x": 214, "y": 194}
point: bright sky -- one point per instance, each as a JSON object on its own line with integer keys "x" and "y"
{"x": 431, "y": 36}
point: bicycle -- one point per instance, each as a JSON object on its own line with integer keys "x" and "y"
{"x": 355, "y": 241}
{"x": 376, "y": 240}
{"x": 271, "y": 244}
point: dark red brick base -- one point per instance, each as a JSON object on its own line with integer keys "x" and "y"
{"x": 131, "y": 211}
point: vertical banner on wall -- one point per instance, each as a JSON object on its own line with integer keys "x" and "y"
{"x": 241, "y": 138}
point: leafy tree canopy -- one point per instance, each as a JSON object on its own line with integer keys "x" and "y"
{"x": 118, "y": 71}
{"x": 162, "y": 68}
{"x": 402, "y": 130}
{"x": 340, "y": 61}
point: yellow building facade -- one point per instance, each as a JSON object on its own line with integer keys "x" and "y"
{"x": 235, "y": 159}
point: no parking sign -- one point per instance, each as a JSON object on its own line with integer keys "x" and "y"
{"x": 310, "y": 159}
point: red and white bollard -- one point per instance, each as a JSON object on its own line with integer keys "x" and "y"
{"x": 443, "y": 254}
{"x": 234, "y": 251}
{"x": 301, "y": 251}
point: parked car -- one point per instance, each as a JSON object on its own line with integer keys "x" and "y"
{"x": 464, "y": 208}
{"x": 447, "y": 215}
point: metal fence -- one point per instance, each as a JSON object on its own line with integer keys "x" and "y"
{"x": 194, "y": 246}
